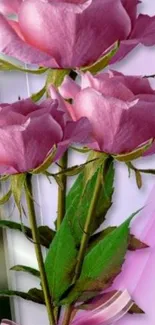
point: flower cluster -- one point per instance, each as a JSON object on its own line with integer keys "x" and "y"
{"x": 112, "y": 116}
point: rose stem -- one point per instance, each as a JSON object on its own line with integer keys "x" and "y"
{"x": 62, "y": 191}
{"x": 84, "y": 241}
{"x": 38, "y": 251}
{"x": 63, "y": 178}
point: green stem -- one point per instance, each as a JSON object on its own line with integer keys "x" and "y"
{"x": 87, "y": 228}
{"x": 84, "y": 241}
{"x": 36, "y": 239}
{"x": 62, "y": 191}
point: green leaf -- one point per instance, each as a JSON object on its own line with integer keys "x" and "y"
{"x": 103, "y": 61}
{"x": 37, "y": 96}
{"x": 6, "y": 197}
{"x": 37, "y": 295}
{"x": 15, "y": 226}
{"x": 61, "y": 259}
{"x": 27, "y": 269}
{"x": 102, "y": 263}
{"x": 55, "y": 77}
{"x": 138, "y": 179}
{"x": 46, "y": 164}
{"x": 8, "y": 66}
{"x": 74, "y": 170}
{"x": 4, "y": 178}
{"x": 58, "y": 180}
{"x": 17, "y": 187}
{"x": 133, "y": 245}
{"x": 135, "y": 154}
{"x": 83, "y": 199}
{"x": 135, "y": 309}
{"x": 81, "y": 150}
{"x": 34, "y": 295}
{"x": 147, "y": 171}
{"x": 46, "y": 234}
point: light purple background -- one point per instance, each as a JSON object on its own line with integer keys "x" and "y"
{"x": 127, "y": 199}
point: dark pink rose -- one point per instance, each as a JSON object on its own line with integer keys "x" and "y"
{"x": 28, "y": 133}
{"x": 71, "y": 33}
{"x": 120, "y": 108}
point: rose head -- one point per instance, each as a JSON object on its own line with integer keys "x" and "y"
{"x": 120, "y": 108}
{"x": 28, "y": 133}
{"x": 78, "y": 34}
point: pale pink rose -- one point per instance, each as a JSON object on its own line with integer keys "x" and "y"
{"x": 121, "y": 109}
{"x": 28, "y": 133}
{"x": 78, "y": 34}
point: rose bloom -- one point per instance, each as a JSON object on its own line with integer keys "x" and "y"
{"x": 71, "y": 33}
{"x": 121, "y": 109}
{"x": 28, "y": 133}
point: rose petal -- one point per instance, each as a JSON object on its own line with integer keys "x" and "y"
{"x": 24, "y": 140}
{"x": 69, "y": 88}
{"x": 75, "y": 132}
{"x": 137, "y": 84}
{"x": 131, "y": 8}
{"x": 65, "y": 106}
{"x": 81, "y": 39}
{"x": 12, "y": 45}
{"x": 115, "y": 122}
{"x": 8, "y": 7}
{"x": 142, "y": 33}
{"x": 106, "y": 85}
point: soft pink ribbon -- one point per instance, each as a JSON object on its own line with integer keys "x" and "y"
{"x": 111, "y": 310}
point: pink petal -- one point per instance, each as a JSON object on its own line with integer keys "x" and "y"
{"x": 15, "y": 25}
{"x": 82, "y": 39}
{"x": 75, "y": 132}
{"x": 54, "y": 94}
{"x": 142, "y": 33}
{"x": 69, "y": 88}
{"x": 23, "y": 107}
{"x": 115, "y": 122}
{"x": 144, "y": 30}
{"x": 12, "y": 45}
{"x": 38, "y": 146}
{"x": 8, "y": 7}
{"x": 66, "y": 107}
{"x": 107, "y": 85}
{"x": 131, "y": 8}
{"x": 28, "y": 142}
{"x": 7, "y": 322}
{"x": 136, "y": 84}
{"x": 10, "y": 142}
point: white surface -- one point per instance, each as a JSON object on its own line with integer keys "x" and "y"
{"x": 127, "y": 198}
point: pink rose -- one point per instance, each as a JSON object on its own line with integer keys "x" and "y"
{"x": 28, "y": 133}
{"x": 71, "y": 33}
{"x": 121, "y": 109}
